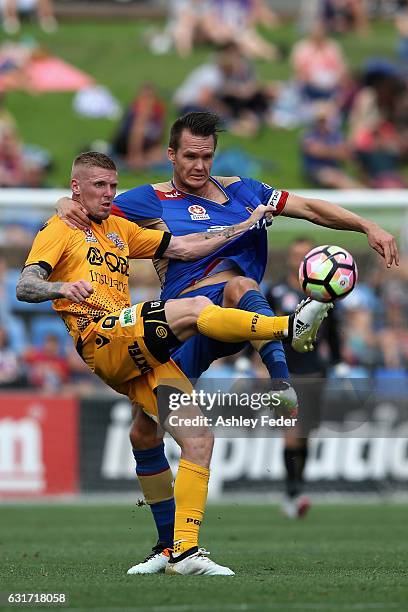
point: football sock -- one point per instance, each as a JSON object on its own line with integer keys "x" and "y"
{"x": 156, "y": 481}
{"x": 190, "y": 493}
{"x": 232, "y": 325}
{"x": 271, "y": 353}
{"x": 295, "y": 461}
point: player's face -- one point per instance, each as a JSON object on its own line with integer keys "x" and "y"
{"x": 297, "y": 252}
{"x": 95, "y": 188}
{"x": 192, "y": 161}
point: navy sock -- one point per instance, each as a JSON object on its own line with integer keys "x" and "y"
{"x": 272, "y": 353}
{"x": 153, "y": 471}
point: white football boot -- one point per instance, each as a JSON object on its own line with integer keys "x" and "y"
{"x": 288, "y": 405}
{"x": 296, "y": 507}
{"x": 195, "y": 562}
{"x": 305, "y": 323}
{"x": 155, "y": 562}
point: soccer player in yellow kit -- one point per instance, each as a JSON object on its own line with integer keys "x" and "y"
{"x": 128, "y": 346}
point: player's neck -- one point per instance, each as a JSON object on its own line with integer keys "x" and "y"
{"x": 206, "y": 191}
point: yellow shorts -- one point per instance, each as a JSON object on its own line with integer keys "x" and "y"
{"x": 129, "y": 350}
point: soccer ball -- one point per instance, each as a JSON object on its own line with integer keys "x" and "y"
{"x": 328, "y": 273}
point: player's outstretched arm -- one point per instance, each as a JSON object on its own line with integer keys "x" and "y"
{"x": 194, "y": 246}
{"x": 330, "y": 215}
{"x": 34, "y": 287}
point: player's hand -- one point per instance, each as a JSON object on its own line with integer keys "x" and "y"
{"x": 262, "y": 216}
{"x": 73, "y": 214}
{"x": 384, "y": 243}
{"x": 77, "y": 292}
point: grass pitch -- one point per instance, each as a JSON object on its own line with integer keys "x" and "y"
{"x": 346, "y": 557}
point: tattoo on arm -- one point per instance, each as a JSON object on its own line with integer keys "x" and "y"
{"x": 34, "y": 287}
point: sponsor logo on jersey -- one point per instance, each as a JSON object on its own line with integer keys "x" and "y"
{"x": 117, "y": 240}
{"x": 128, "y": 316}
{"x": 161, "y": 331}
{"x": 198, "y": 213}
{"x": 275, "y": 199}
{"x": 101, "y": 341}
{"x": 140, "y": 360}
{"x": 172, "y": 194}
{"x": 89, "y": 236}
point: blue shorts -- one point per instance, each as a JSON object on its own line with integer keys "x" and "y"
{"x": 197, "y": 354}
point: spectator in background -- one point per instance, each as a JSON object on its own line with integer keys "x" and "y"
{"x": 218, "y": 22}
{"x": 360, "y": 345}
{"x": 200, "y": 89}
{"x": 20, "y": 166}
{"x": 229, "y": 87}
{"x": 401, "y": 24}
{"x": 16, "y": 336}
{"x": 319, "y": 65}
{"x": 11, "y": 10}
{"x": 47, "y": 369}
{"x": 138, "y": 142}
{"x": 324, "y": 151}
{"x": 10, "y": 368}
{"x": 393, "y": 338}
{"x": 378, "y": 143}
{"x": 342, "y": 16}
{"x": 234, "y": 21}
{"x": 11, "y": 158}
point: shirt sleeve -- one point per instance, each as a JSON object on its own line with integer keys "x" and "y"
{"x": 138, "y": 204}
{"x": 268, "y": 195}
{"x": 48, "y": 246}
{"x": 147, "y": 243}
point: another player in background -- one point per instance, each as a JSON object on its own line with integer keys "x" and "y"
{"x": 85, "y": 274}
{"x": 191, "y": 201}
{"x": 312, "y": 369}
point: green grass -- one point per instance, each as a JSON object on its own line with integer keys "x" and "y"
{"x": 115, "y": 54}
{"x": 347, "y": 557}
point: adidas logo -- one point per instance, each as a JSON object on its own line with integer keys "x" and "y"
{"x": 301, "y": 327}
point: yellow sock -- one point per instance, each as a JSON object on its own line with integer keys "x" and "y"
{"x": 190, "y": 494}
{"x": 232, "y": 325}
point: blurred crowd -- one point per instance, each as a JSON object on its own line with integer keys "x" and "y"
{"x": 352, "y": 124}
{"x": 368, "y": 335}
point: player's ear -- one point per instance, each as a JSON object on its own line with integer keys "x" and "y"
{"x": 171, "y": 154}
{"x": 75, "y": 186}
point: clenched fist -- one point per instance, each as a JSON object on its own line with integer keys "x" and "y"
{"x": 77, "y": 292}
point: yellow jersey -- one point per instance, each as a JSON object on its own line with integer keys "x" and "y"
{"x": 100, "y": 256}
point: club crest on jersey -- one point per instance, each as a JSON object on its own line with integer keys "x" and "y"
{"x": 198, "y": 213}
{"x": 89, "y": 236}
{"x": 117, "y": 241}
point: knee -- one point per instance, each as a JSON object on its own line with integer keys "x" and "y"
{"x": 198, "y": 304}
{"x": 236, "y": 288}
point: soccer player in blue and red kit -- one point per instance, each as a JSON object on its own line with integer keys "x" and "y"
{"x": 195, "y": 201}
